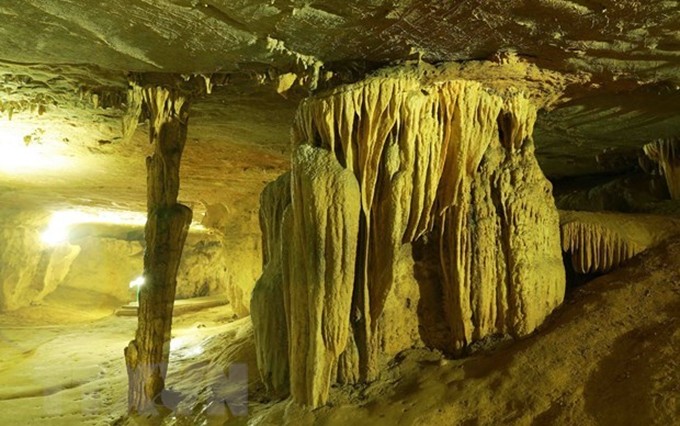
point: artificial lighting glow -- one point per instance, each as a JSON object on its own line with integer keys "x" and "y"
{"x": 25, "y": 151}
{"x": 198, "y": 227}
{"x": 176, "y": 343}
{"x": 57, "y": 231}
{"x": 137, "y": 282}
{"x": 54, "y": 235}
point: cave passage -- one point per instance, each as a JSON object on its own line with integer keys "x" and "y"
{"x": 409, "y": 212}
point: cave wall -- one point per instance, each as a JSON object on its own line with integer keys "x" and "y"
{"x": 447, "y": 166}
{"x": 104, "y": 258}
{"x": 29, "y": 272}
{"x": 240, "y": 253}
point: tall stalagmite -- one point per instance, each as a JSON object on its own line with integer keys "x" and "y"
{"x": 266, "y": 304}
{"x": 444, "y": 163}
{"x": 318, "y": 269}
{"x": 165, "y": 233}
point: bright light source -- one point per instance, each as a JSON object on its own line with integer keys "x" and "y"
{"x": 137, "y": 282}
{"x": 54, "y": 235}
{"x": 198, "y": 227}
{"x": 23, "y": 152}
{"x": 57, "y": 231}
{"x": 176, "y": 343}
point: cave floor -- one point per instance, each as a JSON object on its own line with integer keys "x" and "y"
{"x": 61, "y": 363}
{"x": 610, "y": 355}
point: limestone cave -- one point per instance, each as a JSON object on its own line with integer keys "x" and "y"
{"x": 325, "y": 212}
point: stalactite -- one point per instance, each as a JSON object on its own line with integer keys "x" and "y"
{"x": 666, "y": 152}
{"x": 594, "y": 248}
{"x": 599, "y": 242}
{"x": 165, "y": 233}
{"x": 266, "y": 305}
{"x": 415, "y": 151}
{"x": 209, "y": 84}
{"x": 133, "y": 109}
{"x": 449, "y": 162}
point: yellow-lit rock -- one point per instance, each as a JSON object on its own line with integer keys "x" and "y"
{"x": 449, "y": 163}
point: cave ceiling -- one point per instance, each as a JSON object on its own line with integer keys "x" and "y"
{"x": 65, "y": 66}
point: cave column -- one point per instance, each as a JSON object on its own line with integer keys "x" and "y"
{"x": 165, "y": 233}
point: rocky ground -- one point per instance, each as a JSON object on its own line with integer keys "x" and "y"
{"x": 608, "y": 356}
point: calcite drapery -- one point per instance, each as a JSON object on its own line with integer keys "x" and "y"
{"x": 666, "y": 152}
{"x": 501, "y": 265}
{"x": 447, "y": 163}
{"x": 595, "y": 248}
{"x": 598, "y": 242}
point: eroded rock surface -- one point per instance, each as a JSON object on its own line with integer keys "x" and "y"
{"x": 267, "y": 303}
{"x": 321, "y": 230}
{"x": 444, "y": 163}
{"x": 598, "y": 242}
{"x": 104, "y": 258}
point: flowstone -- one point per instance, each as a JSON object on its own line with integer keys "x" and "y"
{"x": 445, "y": 166}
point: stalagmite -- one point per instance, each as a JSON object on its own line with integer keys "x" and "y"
{"x": 446, "y": 163}
{"x": 266, "y": 305}
{"x": 321, "y": 230}
{"x": 600, "y": 242}
{"x": 666, "y": 152}
{"x": 165, "y": 233}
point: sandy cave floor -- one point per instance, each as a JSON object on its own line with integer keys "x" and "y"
{"x": 61, "y": 363}
{"x": 609, "y": 356}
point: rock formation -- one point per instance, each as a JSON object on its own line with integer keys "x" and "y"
{"x": 321, "y": 229}
{"x": 444, "y": 164}
{"x": 30, "y": 269}
{"x": 266, "y": 305}
{"x": 166, "y": 230}
{"x": 134, "y": 103}
{"x": 600, "y": 242}
{"x": 666, "y": 152}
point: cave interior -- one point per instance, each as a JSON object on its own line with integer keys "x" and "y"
{"x": 324, "y": 212}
